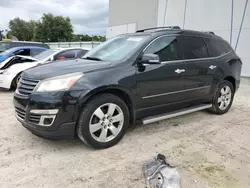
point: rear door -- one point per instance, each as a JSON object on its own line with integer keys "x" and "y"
{"x": 199, "y": 73}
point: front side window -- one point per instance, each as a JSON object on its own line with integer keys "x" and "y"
{"x": 35, "y": 52}
{"x": 194, "y": 48}
{"x": 80, "y": 53}
{"x": 217, "y": 47}
{"x": 165, "y": 47}
{"x": 25, "y": 52}
{"x": 116, "y": 48}
{"x": 69, "y": 54}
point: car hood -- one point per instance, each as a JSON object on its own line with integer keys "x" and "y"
{"x": 44, "y": 71}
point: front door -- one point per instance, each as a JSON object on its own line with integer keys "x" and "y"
{"x": 158, "y": 85}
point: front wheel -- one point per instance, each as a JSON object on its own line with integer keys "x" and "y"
{"x": 103, "y": 121}
{"x": 16, "y": 80}
{"x": 223, "y": 98}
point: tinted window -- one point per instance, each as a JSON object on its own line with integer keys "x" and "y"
{"x": 80, "y": 53}
{"x": 194, "y": 48}
{"x": 34, "y": 52}
{"x": 69, "y": 54}
{"x": 25, "y": 52}
{"x": 165, "y": 47}
{"x": 217, "y": 47}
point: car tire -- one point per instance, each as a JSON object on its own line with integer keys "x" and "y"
{"x": 103, "y": 121}
{"x": 223, "y": 99}
{"x": 15, "y": 81}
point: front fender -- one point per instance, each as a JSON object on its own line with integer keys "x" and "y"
{"x": 86, "y": 95}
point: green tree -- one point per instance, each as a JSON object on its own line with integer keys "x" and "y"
{"x": 21, "y": 29}
{"x": 53, "y": 29}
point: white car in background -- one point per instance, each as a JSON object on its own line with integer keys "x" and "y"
{"x": 11, "y": 68}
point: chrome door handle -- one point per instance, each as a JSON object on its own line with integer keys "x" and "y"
{"x": 178, "y": 71}
{"x": 212, "y": 67}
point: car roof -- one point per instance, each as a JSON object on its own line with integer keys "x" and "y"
{"x": 169, "y": 31}
{"x": 27, "y": 47}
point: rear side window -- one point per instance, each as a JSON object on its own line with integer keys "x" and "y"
{"x": 165, "y": 47}
{"x": 217, "y": 47}
{"x": 194, "y": 48}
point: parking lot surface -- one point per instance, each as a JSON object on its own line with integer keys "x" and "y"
{"x": 208, "y": 150}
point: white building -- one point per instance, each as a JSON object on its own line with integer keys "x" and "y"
{"x": 218, "y": 16}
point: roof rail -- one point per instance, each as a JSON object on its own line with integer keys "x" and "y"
{"x": 167, "y": 27}
{"x": 210, "y": 32}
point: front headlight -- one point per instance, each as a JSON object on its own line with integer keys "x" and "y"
{"x": 57, "y": 83}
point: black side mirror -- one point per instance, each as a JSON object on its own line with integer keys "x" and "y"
{"x": 150, "y": 59}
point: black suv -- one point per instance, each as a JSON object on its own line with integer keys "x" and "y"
{"x": 147, "y": 76}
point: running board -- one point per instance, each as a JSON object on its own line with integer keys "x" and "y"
{"x": 169, "y": 115}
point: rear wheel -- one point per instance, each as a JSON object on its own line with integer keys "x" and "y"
{"x": 223, "y": 98}
{"x": 103, "y": 121}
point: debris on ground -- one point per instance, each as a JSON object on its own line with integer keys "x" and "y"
{"x": 160, "y": 174}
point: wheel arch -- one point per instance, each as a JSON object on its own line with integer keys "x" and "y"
{"x": 13, "y": 80}
{"x": 122, "y": 93}
{"x": 232, "y": 80}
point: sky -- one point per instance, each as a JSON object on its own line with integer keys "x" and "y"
{"x": 87, "y": 16}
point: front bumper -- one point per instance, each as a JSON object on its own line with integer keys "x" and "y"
{"x": 5, "y": 81}
{"x": 64, "y": 132}
{"x": 63, "y": 125}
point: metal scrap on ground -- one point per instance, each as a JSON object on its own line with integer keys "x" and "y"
{"x": 160, "y": 174}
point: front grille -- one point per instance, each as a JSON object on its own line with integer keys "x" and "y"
{"x": 34, "y": 118}
{"x": 20, "y": 113}
{"x": 26, "y": 86}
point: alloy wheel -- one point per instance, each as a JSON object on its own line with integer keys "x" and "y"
{"x": 225, "y": 97}
{"x": 106, "y": 122}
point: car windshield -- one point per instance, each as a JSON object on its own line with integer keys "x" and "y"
{"x": 4, "y": 46}
{"x": 44, "y": 54}
{"x": 116, "y": 48}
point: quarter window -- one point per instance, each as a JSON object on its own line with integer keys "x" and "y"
{"x": 217, "y": 47}
{"x": 165, "y": 47}
{"x": 194, "y": 48}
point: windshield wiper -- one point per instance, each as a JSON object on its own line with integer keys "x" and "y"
{"x": 93, "y": 58}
